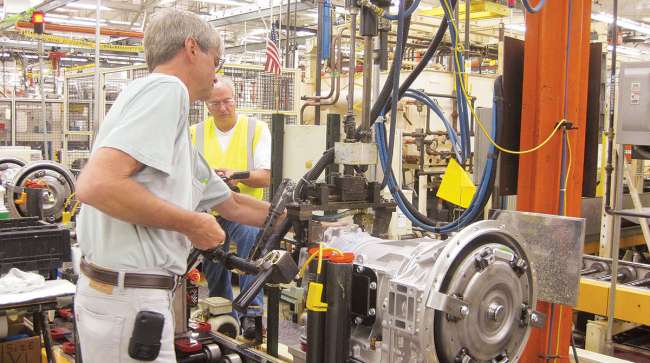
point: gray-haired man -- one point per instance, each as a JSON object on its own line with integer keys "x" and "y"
{"x": 141, "y": 188}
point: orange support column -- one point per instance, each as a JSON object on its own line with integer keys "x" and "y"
{"x": 556, "y": 47}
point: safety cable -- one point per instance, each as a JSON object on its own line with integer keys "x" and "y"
{"x": 482, "y": 127}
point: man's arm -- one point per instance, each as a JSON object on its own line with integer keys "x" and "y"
{"x": 105, "y": 184}
{"x": 243, "y": 209}
{"x": 260, "y": 178}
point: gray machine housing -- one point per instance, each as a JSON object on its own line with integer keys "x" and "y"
{"x": 633, "y": 121}
{"x": 421, "y": 315}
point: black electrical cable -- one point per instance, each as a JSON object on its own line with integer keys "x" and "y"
{"x": 385, "y": 92}
{"x": 498, "y": 98}
{"x": 389, "y": 86}
{"x": 573, "y": 347}
{"x": 383, "y": 99}
{"x": 283, "y": 228}
{"x": 315, "y": 172}
{"x": 399, "y": 52}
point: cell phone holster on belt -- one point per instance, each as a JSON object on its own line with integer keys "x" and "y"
{"x": 147, "y": 332}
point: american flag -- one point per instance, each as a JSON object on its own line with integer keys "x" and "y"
{"x": 272, "y": 55}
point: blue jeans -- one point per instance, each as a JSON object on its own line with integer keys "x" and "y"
{"x": 219, "y": 279}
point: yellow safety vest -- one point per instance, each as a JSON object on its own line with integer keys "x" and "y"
{"x": 240, "y": 152}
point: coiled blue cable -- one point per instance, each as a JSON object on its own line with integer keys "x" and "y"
{"x": 467, "y": 216}
{"x": 453, "y": 137}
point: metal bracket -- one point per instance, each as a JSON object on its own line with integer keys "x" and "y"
{"x": 537, "y": 319}
{"x": 448, "y": 304}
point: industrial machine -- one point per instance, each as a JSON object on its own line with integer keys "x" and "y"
{"x": 41, "y": 189}
{"x": 468, "y": 298}
{"x": 465, "y": 292}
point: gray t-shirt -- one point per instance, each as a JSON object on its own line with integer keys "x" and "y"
{"x": 149, "y": 122}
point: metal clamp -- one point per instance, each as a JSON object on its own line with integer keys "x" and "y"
{"x": 451, "y": 305}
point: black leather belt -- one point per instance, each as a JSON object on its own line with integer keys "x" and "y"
{"x": 131, "y": 279}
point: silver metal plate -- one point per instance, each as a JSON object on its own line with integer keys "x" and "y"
{"x": 448, "y": 304}
{"x": 554, "y": 245}
{"x": 355, "y": 153}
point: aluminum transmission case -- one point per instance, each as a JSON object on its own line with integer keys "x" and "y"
{"x": 469, "y": 298}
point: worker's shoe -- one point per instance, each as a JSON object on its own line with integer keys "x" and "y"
{"x": 251, "y": 327}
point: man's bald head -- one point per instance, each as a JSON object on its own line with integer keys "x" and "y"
{"x": 225, "y": 82}
{"x": 221, "y": 104}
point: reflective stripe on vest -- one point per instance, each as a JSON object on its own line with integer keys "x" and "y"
{"x": 240, "y": 153}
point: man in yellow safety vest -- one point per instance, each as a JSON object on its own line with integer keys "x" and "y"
{"x": 232, "y": 143}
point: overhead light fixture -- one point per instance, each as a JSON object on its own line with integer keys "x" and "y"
{"x": 77, "y": 20}
{"x": 249, "y": 38}
{"x": 622, "y": 22}
{"x": 628, "y": 50}
{"x": 226, "y": 2}
{"x": 302, "y": 33}
{"x": 259, "y": 5}
{"x": 74, "y": 59}
{"x": 86, "y": 6}
{"x": 516, "y": 27}
{"x": 257, "y": 31}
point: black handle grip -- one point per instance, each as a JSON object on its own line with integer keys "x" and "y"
{"x": 238, "y": 175}
{"x": 245, "y": 297}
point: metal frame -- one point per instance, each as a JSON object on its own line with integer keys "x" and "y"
{"x": 547, "y": 58}
{"x": 50, "y": 136}
{"x": 131, "y": 74}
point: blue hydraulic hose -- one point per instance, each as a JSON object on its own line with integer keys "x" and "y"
{"x": 531, "y": 9}
{"x": 468, "y": 215}
{"x": 461, "y": 103}
{"x": 422, "y": 97}
{"x": 453, "y": 137}
{"x": 397, "y": 65}
{"x": 327, "y": 30}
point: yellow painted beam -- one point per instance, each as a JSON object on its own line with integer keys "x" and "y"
{"x": 592, "y": 247}
{"x": 481, "y": 9}
{"x": 632, "y": 304}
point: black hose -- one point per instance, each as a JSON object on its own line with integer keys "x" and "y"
{"x": 397, "y": 66}
{"x": 383, "y": 99}
{"x": 315, "y": 172}
{"x": 498, "y": 97}
{"x": 283, "y": 228}
{"x": 573, "y": 348}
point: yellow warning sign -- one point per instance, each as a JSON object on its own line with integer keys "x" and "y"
{"x": 457, "y": 186}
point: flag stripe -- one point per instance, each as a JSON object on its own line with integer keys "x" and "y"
{"x": 272, "y": 64}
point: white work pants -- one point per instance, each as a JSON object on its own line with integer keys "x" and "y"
{"x": 105, "y": 321}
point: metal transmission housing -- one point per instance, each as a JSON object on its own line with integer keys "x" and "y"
{"x": 60, "y": 185}
{"x": 469, "y": 298}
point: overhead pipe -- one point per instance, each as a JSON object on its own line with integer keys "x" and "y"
{"x": 332, "y": 63}
{"x": 335, "y": 88}
{"x": 353, "y": 62}
{"x": 83, "y": 29}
